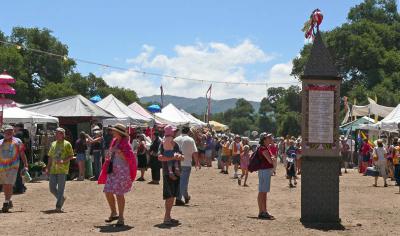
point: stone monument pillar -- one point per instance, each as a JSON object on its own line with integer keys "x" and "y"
{"x": 320, "y": 135}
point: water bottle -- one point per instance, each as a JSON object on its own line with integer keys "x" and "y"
{"x": 27, "y": 176}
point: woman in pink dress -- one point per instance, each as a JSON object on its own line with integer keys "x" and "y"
{"x": 244, "y": 165}
{"x": 118, "y": 173}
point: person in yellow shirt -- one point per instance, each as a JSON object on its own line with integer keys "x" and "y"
{"x": 236, "y": 149}
{"x": 225, "y": 155}
{"x": 60, "y": 155}
{"x": 396, "y": 162}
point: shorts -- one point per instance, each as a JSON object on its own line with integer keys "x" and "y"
{"x": 225, "y": 159}
{"x": 170, "y": 187}
{"x": 81, "y": 157}
{"x": 366, "y": 158}
{"x": 8, "y": 176}
{"x": 264, "y": 180}
{"x": 236, "y": 159}
{"x": 201, "y": 151}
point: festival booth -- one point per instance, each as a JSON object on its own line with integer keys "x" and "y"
{"x": 356, "y": 124}
{"x": 122, "y": 113}
{"x": 75, "y": 113}
{"x": 218, "y": 127}
{"x": 173, "y": 116}
{"x": 14, "y": 115}
{"x": 36, "y": 124}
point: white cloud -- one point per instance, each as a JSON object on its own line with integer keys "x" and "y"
{"x": 211, "y": 61}
{"x": 279, "y": 75}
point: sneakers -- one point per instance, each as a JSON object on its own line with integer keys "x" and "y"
{"x": 6, "y": 207}
{"x": 179, "y": 203}
{"x": 187, "y": 200}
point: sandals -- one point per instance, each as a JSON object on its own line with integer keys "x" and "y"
{"x": 265, "y": 216}
{"x": 170, "y": 222}
{"x": 111, "y": 219}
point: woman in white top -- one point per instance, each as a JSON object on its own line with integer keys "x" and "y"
{"x": 381, "y": 154}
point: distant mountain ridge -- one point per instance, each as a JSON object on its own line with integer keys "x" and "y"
{"x": 197, "y": 105}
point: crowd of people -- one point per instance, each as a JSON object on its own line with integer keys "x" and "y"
{"x": 118, "y": 155}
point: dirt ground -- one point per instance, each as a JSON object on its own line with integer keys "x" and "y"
{"x": 218, "y": 207}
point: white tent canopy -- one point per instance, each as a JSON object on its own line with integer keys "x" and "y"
{"x": 391, "y": 121}
{"x": 73, "y": 106}
{"x": 193, "y": 119}
{"x": 173, "y": 116}
{"x": 371, "y": 109}
{"x": 18, "y": 115}
{"x": 123, "y": 114}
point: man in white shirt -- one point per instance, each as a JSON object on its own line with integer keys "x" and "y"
{"x": 189, "y": 150}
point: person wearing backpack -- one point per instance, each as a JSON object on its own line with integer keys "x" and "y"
{"x": 265, "y": 172}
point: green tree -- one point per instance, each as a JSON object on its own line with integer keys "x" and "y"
{"x": 239, "y": 125}
{"x": 289, "y": 124}
{"x": 38, "y": 68}
{"x": 57, "y": 90}
{"x": 366, "y": 49}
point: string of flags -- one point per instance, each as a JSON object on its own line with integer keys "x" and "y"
{"x": 102, "y": 65}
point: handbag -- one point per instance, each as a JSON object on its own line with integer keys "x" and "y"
{"x": 110, "y": 165}
{"x": 255, "y": 162}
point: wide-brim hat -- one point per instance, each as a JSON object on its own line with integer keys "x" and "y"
{"x": 7, "y": 127}
{"x": 121, "y": 129}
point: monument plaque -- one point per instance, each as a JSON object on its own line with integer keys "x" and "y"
{"x": 320, "y": 118}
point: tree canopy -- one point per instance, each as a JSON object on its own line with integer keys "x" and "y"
{"x": 41, "y": 76}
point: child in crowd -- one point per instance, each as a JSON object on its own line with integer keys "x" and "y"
{"x": 291, "y": 170}
{"x": 291, "y": 149}
{"x": 244, "y": 164}
{"x": 168, "y": 146}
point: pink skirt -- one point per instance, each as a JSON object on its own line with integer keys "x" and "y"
{"x": 119, "y": 181}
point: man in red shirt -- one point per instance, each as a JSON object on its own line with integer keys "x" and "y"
{"x": 366, "y": 155}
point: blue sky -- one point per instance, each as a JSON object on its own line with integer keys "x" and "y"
{"x": 256, "y": 39}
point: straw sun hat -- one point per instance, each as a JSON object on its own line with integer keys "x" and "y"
{"x": 121, "y": 129}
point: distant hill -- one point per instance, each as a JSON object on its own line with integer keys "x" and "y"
{"x": 197, "y": 105}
